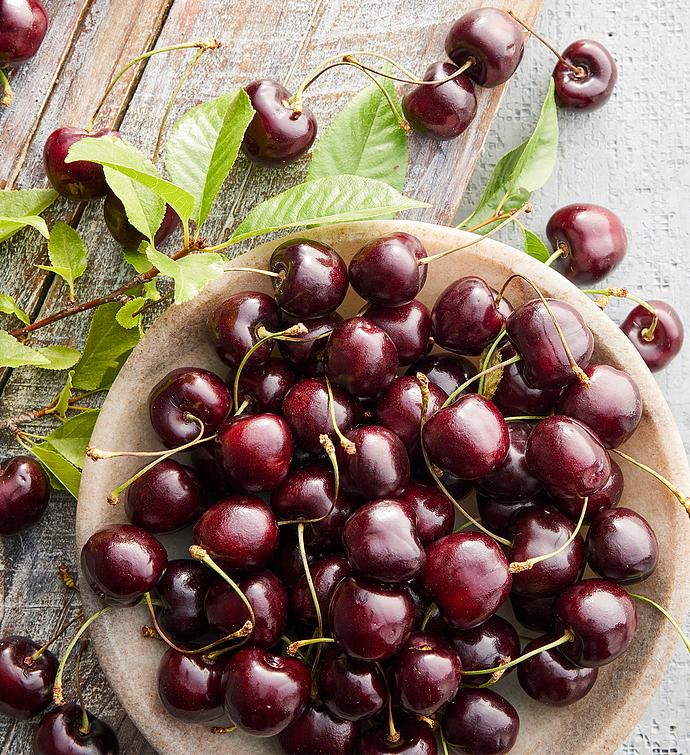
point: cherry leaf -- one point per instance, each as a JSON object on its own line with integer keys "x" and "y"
{"x": 58, "y": 357}
{"x": 9, "y": 306}
{"x": 23, "y": 205}
{"x": 63, "y": 398}
{"x": 190, "y": 273}
{"x": 16, "y": 354}
{"x": 535, "y": 247}
{"x": 67, "y": 253}
{"x": 71, "y": 438}
{"x": 129, "y": 314}
{"x": 59, "y": 469}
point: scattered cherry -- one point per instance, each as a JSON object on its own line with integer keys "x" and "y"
{"x": 266, "y": 386}
{"x": 498, "y": 514}
{"x": 24, "y": 494}
{"x": 23, "y": 26}
{"x": 535, "y": 612}
{"x": 607, "y": 497}
{"x": 183, "y": 588}
{"x": 318, "y": 732}
{"x": 447, "y": 371}
{"x": 664, "y": 344}
{"x": 125, "y": 233}
{"x": 416, "y": 738}
{"x": 326, "y": 574}
{"x": 307, "y": 354}
{"x": 190, "y": 687}
{"x": 434, "y": 513}
{"x": 60, "y": 733}
{"x": 26, "y": 689}
{"x": 481, "y": 721}
{"x": 408, "y": 326}
{"x": 593, "y": 85}
{"x": 515, "y": 397}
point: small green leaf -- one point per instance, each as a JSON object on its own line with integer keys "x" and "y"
{"x": 58, "y": 357}
{"x": 9, "y": 306}
{"x": 16, "y": 354}
{"x": 203, "y": 147}
{"x": 58, "y": 468}
{"x": 63, "y": 398}
{"x": 129, "y": 315}
{"x": 491, "y": 380}
{"x": 535, "y": 247}
{"x": 67, "y": 253}
{"x": 72, "y": 437}
{"x": 145, "y": 210}
{"x": 22, "y": 204}
{"x": 337, "y": 199}
{"x": 11, "y": 225}
{"x": 190, "y": 273}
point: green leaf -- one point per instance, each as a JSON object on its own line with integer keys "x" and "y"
{"x": 58, "y": 468}
{"x": 58, "y": 357}
{"x": 72, "y": 437}
{"x": 129, "y": 316}
{"x": 9, "y": 306}
{"x": 535, "y": 247}
{"x": 63, "y": 398}
{"x": 10, "y": 226}
{"x": 140, "y": 262}
{"x": 190, "y": 273}
{"x": 364, "y": 139}
{"x": 16, "y": 354}
{"x": 492, "y": 380}
{"x": 145, "y": 210}
{"x": 337, "y": 199}
{"x": 203, "y": 147}
{"x": 22, "y": 204}
{"x": 67, "y": 253}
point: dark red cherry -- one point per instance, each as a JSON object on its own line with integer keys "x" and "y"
{"x": 287, "y": 559}
{"x": 313, "y": 278}
{"x": 481, "y": 721}
{"x": 492, "y": 39}
{"x": 26, "y": 688}
{"x": 278, "y": 134}
{"x": 125, "y": 233}
{"x": 190, "y": 687}
{"x": 516, "y": 397}
{"x": 266, "y": 386}
{"x": 370, "y": 621}
{"x": 592, "y": 86}
{"x": 454, "y": 485}
{"x": 80, "y": 180}
{"x": 326, "y": 575}
{"x": 121, "y": 562}
{"x": 379, "y": 468}
{"x": 567, "y": 457}
{"x": 319, "y": 732}
{"x": 227, "y": 613}
{"x": 60, "y": 733}
{"x": 485, "y": 646}
{"x": 535, "y": 612}
{"x": 184, "y": 393}
{"x": 443, "y": 111}
{"x": 667, "y": 339}
{"x": 386, "y": 271}
{"x": 23, "y": 26}
{"x": 183, "y": 589}
{"x": 265, "y": 693}
{"x": 416, "y": 738}
{"x": 465, "y": 318}
{"x": 447, "y": 371}
{"x": 534, "y": 335}
{"x": 498, "y": 514}
{"x": 602, "y": 617}
{"x": 466, "y": 575}
{"x": 235, "y": 325}
{"x": 592, "y": 239}
{"x": 206, "y": 465}
{"x": 607, "y": 497}
{"x": 24, "y": 494}
{"x": 469, "y": 438}
{"x": 434, "y": 513}
{"x": 621, "y": 546}
{"x": 307, "y": 353}
{"x": 408, "y": 325}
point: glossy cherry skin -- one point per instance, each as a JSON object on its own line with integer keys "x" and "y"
{"x": 265, "y": 387}
{"x": 190, "y": 687}
{"x": 447, "y": 371}
{"x": 80, "y": 180}
{"x": 371, "y": 622}
{"x": 183, "y": 588}
{"x": 313, "y": 278}
{"x": 125, "y": 233}
{"x": 234, "y": 327}
{"x": 59, "y": 733}
{"x": 379, "y": 468}
{"x": 466, "y": 575}
{"x": 516, "y": 397}
{"x": 326, "y": 574}
{"x": 481, "y": 721}
{"x": 408, "y": 325}
{"x": 434, "y": 513}
{"x": 485, "y": 646}
{"x": 287, "y": 559}
{"x": 465, "y": 318}
{"x": 534, "y": 335}
{"x": 265, "y": 693}
{"x": 537, "y": 613}
{"x": 416, "y": 738}
{"x": 602, "y": 617}
{"x": 552, "y": 678}
{"x": 241, "y": 530}
{"x": 23, "y": 26}
{"x": 183, "y": 392}
{"x": 386, "y": 271}
{"x": 493, "y": 39}
{"x": 607, "y": 497}
{"x": 469, "y": 438}
{"x": 24, "y": 494}
{"x": 592, "y": 89}
{"x": 319, "y": 732}
{"x": 277, "y": 134}
{"x": 226, "y": 612}
{"x": 25, "y": 689}
{"x": 498, "y": 514}
{"x": 307, "y": 354}
{"x": 443, "y": 111}
{"x": 255, "y": 451}
{"x": 621, "y": 546}
{"x": 667, "y": 339}
{"x": 121, "y": 562}
{"x": 593, "y": 239}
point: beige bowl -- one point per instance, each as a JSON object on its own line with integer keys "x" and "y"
{"x": 597, "y": 724}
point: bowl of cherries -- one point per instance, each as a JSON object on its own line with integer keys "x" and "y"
{"x": 367, "y": 495}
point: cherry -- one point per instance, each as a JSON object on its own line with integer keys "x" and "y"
{"x": 469, "y": 438}
{"x": 307, "y": 354}
{"x": 255, "y": 451}
{"x": 319, "y": 732}
{"x": 278, "y": 134}
{"x": 361, "y": 357}
{"x": 26, "y": 688}
{"x": 466, "y": 318}
{"x": 60, "y": 733}
{"x": 207, "y": 468}
{"x": 125, "y": 233}
{"x": 408, "y": 325}
{"x": 287, "y": 560}
{"x": 621, "y": 546}
{"x": 481, "y": 721}
{"x": 492, "y": 40}
{"x": 190, "y": 687}
{"x": 454, "y": 485}
{"x": 23, "y": 26}
{"x": 265, "y": 693}
{"x": 534, "y": 335}
{"x": 534, "y": 612}
{"x": 591, "y": 88}
{"x": 551, "y": 678}
{"x": 326, "y": 575}
{"x": 664, "y": 344}
{"x": 567, "y": 457}
{"x": 433, "y": 512}
{"x": 121, "y": 562}
{"x": 24, "y": 494}
{"x": 265, "y": 387}
{"x": 607, "y": 497}
{"x": 498, "y": 514}
{"x": 386, "y": 271}
{"x": 601, "y": 616}
{"x": 183, "y": 589}
{"x": 466, "y": 575}
{"x": 313, "y": 278}
{"x": 515, "y": 397}
{"x": 370, "y": 621}
{"x": 241, "y": 530}
{"x": 447, "y": 371}
{"x": 591, "y": 238}
{"x": 379, "y": 468}
{"x": 443, "y": 111}
{"x": 235, "y": 325}
{"x": 80, "y": 180}
{"x": 416, "y": 738}
{"x": 184, "y": 393}
{"x": 485, "y": 646}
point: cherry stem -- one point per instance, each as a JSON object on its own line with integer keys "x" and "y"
{"x": 85, "y": 727}
{"x": 623, "y": 293}
{"x": 526, "y": 418}
{"x": 268, "y": 273}
{"x": 223, "y": 729}
{"x": 486, "y": 361}
{"x": 312, "y": 589}
{"x": 48, "y": 410}
{"x": 7, "y": 94}
{"x": 469, "y": 381}
{"x": 429, "y": 612}
{"x": 393, "y": 733}
{"x": 31, "y": 659}
{"x": 66, "y": 577}
{"x": 562, "y": 251}
{"x": 243, "y": 406}
{"x": 444, "y": 744}
{"x": 294, "y": 647}
{"x": 347, "y": 444}
{"x": 662, "y": 610}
